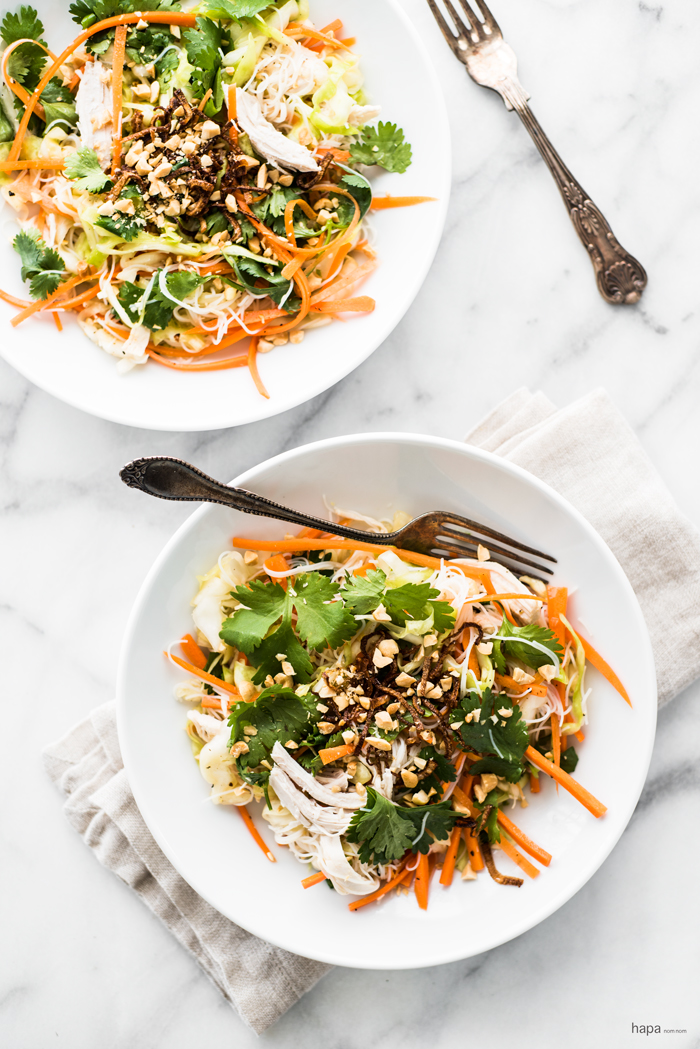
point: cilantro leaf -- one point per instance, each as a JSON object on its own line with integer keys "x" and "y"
{"x": 41, "y": 265}
{"x": 506, "y": 738}
{"x": 386, "y": 831}
{"x": 416, "y": 601}
{"x": 159, "y": 308}
{"x": 182, "y": 283}
{"x": 30, "y": 248}
{"x": 321, "y": 622}
{"x": 380, "y": 830}
{"x": 384, "y": 145}
{"x": 205, "y": 46}
{"x": 359, "y": 187}
{"x": 435, "y": 822}
{"x": 443, "y": 772}
{"x": 276, "y": 287}
{"x": 362, "y": 594}
{"x": 236, "y": 8}
{"x": 84, "y": 168}
{"x": 26, "y": 63}
{"x": 516, "y": 646}
{"x": 264, "y": 604}
{"x": 24, "y": 24}
{"x": 279, "y": 715}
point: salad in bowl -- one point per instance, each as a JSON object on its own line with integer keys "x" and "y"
{"x": 190, "y": 181}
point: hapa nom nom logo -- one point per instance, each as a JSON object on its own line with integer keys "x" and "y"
{"x": 646, "y": 1029}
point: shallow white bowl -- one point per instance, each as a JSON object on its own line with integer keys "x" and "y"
{"x": 209, "y": 845}
{"x": 399, "y": 77}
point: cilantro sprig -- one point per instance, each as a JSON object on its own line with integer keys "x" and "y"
{"x": 157, "y": 312}
{"x": 518, "y": 646}
{"x": 41, "y": 266}
{"x": 501, "y": 737}
{"x": 412, "y": 601}
{"x": 84, "y": 169}
{"x": 278, "y": 715}
{"x": 384, "y": 145}
{"x": 321, "y": 622}
{"x": 386, "y": 831}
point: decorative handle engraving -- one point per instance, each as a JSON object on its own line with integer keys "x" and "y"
{"x": 621, "y": 278}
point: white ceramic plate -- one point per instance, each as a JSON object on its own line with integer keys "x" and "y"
{"x": 400, "y": 78}
{"x": 209, "y": 845}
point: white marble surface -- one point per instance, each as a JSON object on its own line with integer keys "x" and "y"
{"x": 510, "y": 301}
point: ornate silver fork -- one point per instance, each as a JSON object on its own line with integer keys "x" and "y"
{"x": 439, "y": 534}
{"x": 480, "y": 46}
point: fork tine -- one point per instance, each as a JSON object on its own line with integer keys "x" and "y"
{"x": 489, "y": 20}
{"x": 497, "y": 554}
{"x": 514, "y": 564}
{"x": 475, "y": 22}
{"x": 442, "y": 22}
{"x": 474, "y": 527}
{"x": 494, "y": 549}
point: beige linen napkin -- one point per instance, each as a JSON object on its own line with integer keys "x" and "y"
{"x": 590, "y": 455}
{"x": 260, "y": 981}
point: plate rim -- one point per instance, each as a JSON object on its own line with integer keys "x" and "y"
{"x": 469, "y": 451}
{"x": 310, "y": 390}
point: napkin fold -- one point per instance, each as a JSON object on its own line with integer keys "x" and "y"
{"x": 589, "y": 454}
{"x": 260, "y": 981}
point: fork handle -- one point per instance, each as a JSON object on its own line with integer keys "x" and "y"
{"x": 621, "y": 278}
{"x": 168, "y": 478}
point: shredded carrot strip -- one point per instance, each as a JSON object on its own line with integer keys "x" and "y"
{"x": 333, "y": 27}
{"x": 192, "y": 651}
{"x": 534, "y": 783}
{"x": 556, "y": 739}
{"x": 289, "y": 217}
{"x": 512, "y": 852}
{"x": 474, "y": 663}
{"x": 202, "y": 366}
{"x": 364, "y": 304}
{"x": 512, "y": 597}
{"x": 277, "y": 563}
{"x": 32, "y": 165}
{"x": 77, "y": 300}
{"x": 117, "y": 75}
{"x": 329, "y": 754}
{"x": 57, "y": 322}
{"x": 448, "y": 867}
{"x": 523, "y": 841}
{"x": 257, "y": 838}
{"x": 508, "y": 682}
{"x": 381, "y": 203}
{"x": 387, "y": 887}
{"x": 291, "y": 546}
{"x": 313, "y": 879}
{"x": 204, "y": 676}
{"x": 567, "y": 781}
{"x": 253, "y": 367}
{"x": 475, "y": 857}
{"x": 556, "y": 606}
{"x": 605, "y": 669}
{"x": 43, "y": 304}
{"x": 204, "y": 101}
{"x": 6, "y": 297}
{"x": 421, "y": 886}
{"x": 14, "y": 85}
